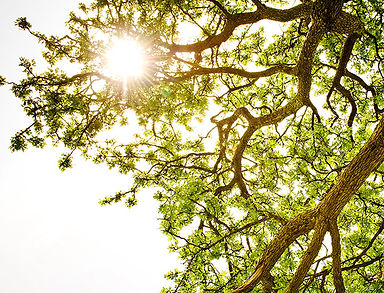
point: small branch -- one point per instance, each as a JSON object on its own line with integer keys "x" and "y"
{"x": 347, "y": 94}
{"x": 378, "y": 232}
{"x": 363, "y": 264}
{"x": 245, "y": 227}
{"x": 377, "y": 53}
{"x": 81, "y": 76}
{"x": 221, "y": 7}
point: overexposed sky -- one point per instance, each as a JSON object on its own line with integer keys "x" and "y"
{"x": 54, "y": 237}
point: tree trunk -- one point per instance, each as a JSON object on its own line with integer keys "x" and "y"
{"x": 369, "y": 158}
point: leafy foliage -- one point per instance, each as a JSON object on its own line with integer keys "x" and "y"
{"x": 257, "y": 142}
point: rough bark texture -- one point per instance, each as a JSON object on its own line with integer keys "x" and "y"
{"x": 336, "y": 257}
{"x": 370, "y": 157}
{"x": 326, "y": 16}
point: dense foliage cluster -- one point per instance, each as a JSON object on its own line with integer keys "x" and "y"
{"x": 264, "y": 145}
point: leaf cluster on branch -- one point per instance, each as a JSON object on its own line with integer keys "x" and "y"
{"x": 264, "y": 147}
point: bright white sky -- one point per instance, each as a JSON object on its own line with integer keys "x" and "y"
{"x": 54, "y": 237}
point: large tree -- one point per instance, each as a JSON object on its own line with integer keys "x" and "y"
{"x": 264, "y": 148}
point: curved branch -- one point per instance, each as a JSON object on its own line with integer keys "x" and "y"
{"x": 235, "y": 231}
{"x": 235, "y": 20}
{"x": 347, "y": 94}
{"x": 303, "y": 71}
{"x": 355, "y": 77}
{"x": 344, "y": 59}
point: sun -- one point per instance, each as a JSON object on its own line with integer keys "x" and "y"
{"x": 125, "y": 59}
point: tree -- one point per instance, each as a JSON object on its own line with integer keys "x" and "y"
{"x": 282, "y": 192}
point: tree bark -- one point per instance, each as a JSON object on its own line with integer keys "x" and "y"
{"x": 369, "y": 158}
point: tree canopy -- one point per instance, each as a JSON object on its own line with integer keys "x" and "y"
{"x": 263, "y": 147}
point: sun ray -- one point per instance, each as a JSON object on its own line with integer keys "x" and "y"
{"x": 125, "y": 59}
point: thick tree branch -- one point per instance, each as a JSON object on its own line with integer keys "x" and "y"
{"x": 309, "y": 256}
{"x": 302, "y": 98}
{"x": 235, "y": 20}
{"x": 280, "y": 68}
{"x": 355, "y": 259}
{"x": 369, "y": 158}
{"x": 300, "y": 225}
{"x": 336, "y": 257}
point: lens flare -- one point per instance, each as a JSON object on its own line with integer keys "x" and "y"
{"x": 125, "y": 59}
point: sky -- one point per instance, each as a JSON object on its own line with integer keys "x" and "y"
{"x": 54, "y": 236}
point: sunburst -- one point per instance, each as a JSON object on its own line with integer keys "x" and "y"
{"x": 125, "y": 59}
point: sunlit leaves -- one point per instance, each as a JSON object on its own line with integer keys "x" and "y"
{"x": 185, "y": 127}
